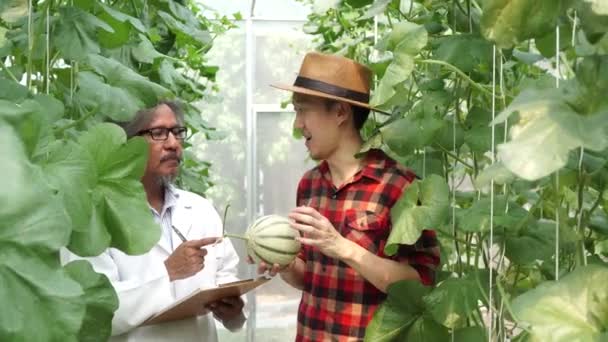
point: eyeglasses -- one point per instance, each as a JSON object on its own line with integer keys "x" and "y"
{"x": 162, "y": 133}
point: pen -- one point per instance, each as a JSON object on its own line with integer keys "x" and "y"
{"x": 181, "y": 236}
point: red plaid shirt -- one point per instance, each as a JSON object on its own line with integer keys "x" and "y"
{"x": 337, "y": 303}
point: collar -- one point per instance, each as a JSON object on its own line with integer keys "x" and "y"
{"x": 373, "y": 166}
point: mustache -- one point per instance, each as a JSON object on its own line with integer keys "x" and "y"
{"x": 171, "y": 156}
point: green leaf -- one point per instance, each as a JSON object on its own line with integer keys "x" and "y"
{"x": 12, "y": 91}
{"x": 100, "y": 299}
{"x": 120, "y": 165}
{"x": 5, "y": 45}
{"x": 118, "y": 36}
{"x": 477, "y": 217}
{"x": 144, "y": 51}
{"x": 119, "y": 75}
{"x": 546, "y": 43}
{"x": 586, "y": 95}
{"x": 13, "y": 10}
{"x": 479, "y": 138}
{"x": 496, "y": 171}
{"x": 464, "y": 51}
{"x": 410, "y": 133}
{"x": 575, "y": 308}
{"x": 31, "y": 214}
{"x": 590, "y": 47}
{"x": 453, "y": 300}
{"x": 423, "y": 205}
{"x": 75, "y": 32}
{"x": 398, "y": 312}
{"x": 375, "y": 141}
{"x": 593, "y": 16}
{"x": 122, "y": 94}
{"x": 376, "y": 8}
{"x": 450, "y": 136}
{"x": 507, "y": 22}
{"x": 547, "y": 130}
{"x": 398, "y": 71}
{"x": 531, "y": 243}
{"x": 599, "y": 223}
{"x": 470, "y": 334}
{"x": 117, "y": 103}
{"x": 124, "y": 18}
{"x": 31, "y": 124}
{"x": 71, "y": 172}
{"x": 11, "y": 111}
{"x": 177, "y": 27}
{"x": 41, "y": 303}
{"x": 358, "y": 3}
{"x": 53, "y": 108}
{"x": 171, "y": 77}
{"x": 425, "y": 329}
{"x": 424, "y": 164}
{"x": 405, "y": 37}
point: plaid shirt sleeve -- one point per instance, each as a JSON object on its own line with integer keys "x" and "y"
{"x": 423, "y": 256}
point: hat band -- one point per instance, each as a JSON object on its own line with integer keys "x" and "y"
{"x": 331, "y": 89}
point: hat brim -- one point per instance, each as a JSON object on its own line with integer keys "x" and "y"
{"x": 307, "y": 91}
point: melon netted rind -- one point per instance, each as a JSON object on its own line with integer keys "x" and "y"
{"x": 272, "y": 240}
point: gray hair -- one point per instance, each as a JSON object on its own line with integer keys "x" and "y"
{"x": 143, "y": 117}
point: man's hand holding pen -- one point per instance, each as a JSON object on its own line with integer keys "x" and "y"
{"x": 188, "y": 258}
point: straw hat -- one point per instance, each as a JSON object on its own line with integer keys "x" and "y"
{"x": 333, "y": 77}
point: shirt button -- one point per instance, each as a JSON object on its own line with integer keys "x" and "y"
{"x": 334, "y": 196}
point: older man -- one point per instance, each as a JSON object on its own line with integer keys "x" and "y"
{"x": 172, "y": 269}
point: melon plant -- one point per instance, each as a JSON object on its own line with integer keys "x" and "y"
{"x": 271, "y": 239}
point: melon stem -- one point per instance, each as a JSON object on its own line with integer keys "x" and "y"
{"x": 235, "y": 236}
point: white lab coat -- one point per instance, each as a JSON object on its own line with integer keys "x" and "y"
{"x": 142, "y": 282}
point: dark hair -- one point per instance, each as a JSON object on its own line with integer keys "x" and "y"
{"x": 143, "y": 117}
{"x": 360, "y": 114}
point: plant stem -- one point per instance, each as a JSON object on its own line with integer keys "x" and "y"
{"x": 8, "y": 72}
{"x": 460, "y": 73}
{"x": 449, "y": 153}
{"x": 450, "y": 236}
{"x": 240, "y": 237}
{"x": 76, "y": 123}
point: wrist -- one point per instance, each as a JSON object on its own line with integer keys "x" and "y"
{"x": 289, "y": 267}
{"x": 349, "y": 252}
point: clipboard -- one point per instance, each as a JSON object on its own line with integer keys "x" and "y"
{"x": 192, "y": 305}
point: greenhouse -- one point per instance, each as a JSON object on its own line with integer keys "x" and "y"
{"x": 304, "y": 170}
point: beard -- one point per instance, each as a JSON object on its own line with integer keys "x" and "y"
{"x": 166, "y": 180}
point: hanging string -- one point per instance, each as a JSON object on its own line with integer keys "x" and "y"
{"x": 492, "y": 158}
{"x": 574, "y": 20}
{"x": 501, "y": 262}
{"x": 30, "y": 42}
{"x": 453, "y": 180}
{"x": 506, "y": 131}
{"x": 453, "y": 175}
{"x": 375, "y": 76}
{"x": 48, "y": 49}
{"x": 580, "y": 213}
{"x": 558, "y": 204}
{"x": 580, "y": 161}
